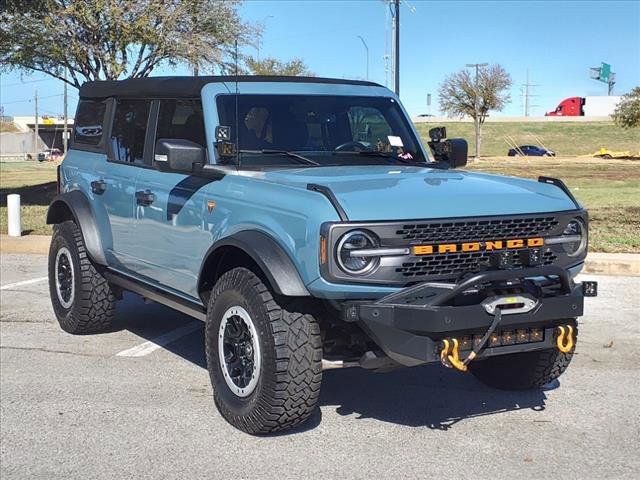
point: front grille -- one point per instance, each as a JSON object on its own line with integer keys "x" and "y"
{"x": 457, "y": 263}
{"x": 449, "y": 265}
{"x": 477, "y": 230}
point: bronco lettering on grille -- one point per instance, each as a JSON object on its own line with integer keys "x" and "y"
{"x": 477, "y": 246}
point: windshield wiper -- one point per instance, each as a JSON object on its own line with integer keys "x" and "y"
{"x": 293, "y": 155}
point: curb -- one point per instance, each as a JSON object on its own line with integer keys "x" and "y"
{"x": 25, "y": 244}
{"x": 613, "y": 264}
{"x": 597, "y": 263}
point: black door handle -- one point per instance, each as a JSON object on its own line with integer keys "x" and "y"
{"x": 98, "y": 187}
{"x": 145, "y": 198}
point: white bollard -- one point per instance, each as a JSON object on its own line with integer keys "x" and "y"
{"x": 13, "y": 212}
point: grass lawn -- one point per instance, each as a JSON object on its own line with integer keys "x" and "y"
{"x": 610, "y": 189}
{"x": 565, "y": 138}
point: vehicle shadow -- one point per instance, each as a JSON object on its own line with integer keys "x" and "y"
{"x": 427, "y": 396}
{"x": 151, "y": 321}
{"x": 40, "y": 194}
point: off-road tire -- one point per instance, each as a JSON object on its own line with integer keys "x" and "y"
{"x": 523, "y": 371}
{"x": 290, "y": 374}
{"x": 93, "y": 303}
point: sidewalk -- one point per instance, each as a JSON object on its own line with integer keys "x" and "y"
{"x": 613, "y": 264}
{"x": 597, "y": 263}
{"x": 25, "y": 244}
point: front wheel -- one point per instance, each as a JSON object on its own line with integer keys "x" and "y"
{"x": 83, "y": 300}
{"x": 264, "y": 361}
{"x": 523, "y": 371}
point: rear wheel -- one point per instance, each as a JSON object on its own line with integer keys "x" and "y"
{"x": 523, "y": 371}
{"x": 82, "y": 298}
{"x": 265, "y": 361}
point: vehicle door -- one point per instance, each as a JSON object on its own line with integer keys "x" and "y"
{"x": 115, "y": 185}
{"x": 170, "y": 206}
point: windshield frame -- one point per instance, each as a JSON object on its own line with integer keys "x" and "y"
{"x": 210, "y": 93}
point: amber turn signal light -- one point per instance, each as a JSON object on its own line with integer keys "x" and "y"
{"x": 323, "y": 250}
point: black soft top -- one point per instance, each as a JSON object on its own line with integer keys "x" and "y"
{"x": 158, "y": 87}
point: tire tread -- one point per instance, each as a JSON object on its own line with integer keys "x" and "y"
{"x": 94, "y": 306}
{"x": 290, "y": 396}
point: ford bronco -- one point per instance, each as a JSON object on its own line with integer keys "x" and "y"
{"x": 305, "y": 223}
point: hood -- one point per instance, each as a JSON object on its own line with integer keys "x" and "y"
{"x": 380, "y": 192}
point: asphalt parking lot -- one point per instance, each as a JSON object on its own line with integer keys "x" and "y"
{"x": 137, "y": 403}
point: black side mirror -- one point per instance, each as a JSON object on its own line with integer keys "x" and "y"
{"x": 457, "y": 152}
{"x": 178, "y": 155}
{"x": 453, "y": 151}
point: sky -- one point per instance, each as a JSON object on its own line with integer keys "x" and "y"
{"x": 555, "y": 41}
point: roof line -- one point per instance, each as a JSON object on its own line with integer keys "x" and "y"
{"x": 191, "y": 86}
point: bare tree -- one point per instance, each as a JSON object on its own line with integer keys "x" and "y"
{"x": 112, "y": 39}
{"x": 461, "y": 95}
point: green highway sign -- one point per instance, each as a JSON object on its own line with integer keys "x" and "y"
{"x": 605, "y": 72}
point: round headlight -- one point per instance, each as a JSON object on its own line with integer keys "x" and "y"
{"x": 357, "y": 240}
{"x": 576, "y": 231}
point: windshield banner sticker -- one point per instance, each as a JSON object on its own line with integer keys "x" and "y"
{"x": 395, "y": 141}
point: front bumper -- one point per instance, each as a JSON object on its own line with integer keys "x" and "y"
{"x": 409, "y": 325}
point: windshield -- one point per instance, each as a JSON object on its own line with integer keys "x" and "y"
{"x": 329, "y": 129}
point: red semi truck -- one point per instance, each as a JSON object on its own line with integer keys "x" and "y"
{"x": 600, "y": 106}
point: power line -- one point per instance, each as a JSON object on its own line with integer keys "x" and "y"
{"x": 29, "y": 100}
{"x": 28, "y": 81}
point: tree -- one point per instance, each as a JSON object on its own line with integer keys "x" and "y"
{"x": 462, "y": 94}
{"x": 627, "y": 113}
{"x": 272, "y": 66}
{"x": 112, "y": 39}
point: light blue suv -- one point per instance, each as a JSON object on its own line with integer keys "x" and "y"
{"x": 305, "y": 223}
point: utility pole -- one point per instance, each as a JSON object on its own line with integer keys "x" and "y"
{"x": 397, "y": 43}
{"x": 367, "y": 53}
{"x": 36, "y": 135}
{"x": 65, "y": 131}
{"x": 527, "y": 95}
{"x": 386, "y": 43}
{"x": 476, "y": 121}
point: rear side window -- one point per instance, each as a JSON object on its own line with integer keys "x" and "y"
{"x": 89, "y": 121}
{"x": 181, "y": 119}
{"x": 129, "y": 130}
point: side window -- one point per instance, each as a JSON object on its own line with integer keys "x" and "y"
{"x": 181, "y": 119}
{"x": 129, "y": 130}
{"x": 88, "y": 122}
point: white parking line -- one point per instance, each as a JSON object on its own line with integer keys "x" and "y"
{"x": 155, "y": 343}
{"x": 24, "y": 282}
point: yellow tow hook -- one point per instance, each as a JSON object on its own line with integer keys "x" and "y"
{"x": 452, "y": 359}
{"x": 560, "y": 341}
{"x": 444, "y": 352}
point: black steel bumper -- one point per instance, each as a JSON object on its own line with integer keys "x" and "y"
{"x": 409, "y": 325}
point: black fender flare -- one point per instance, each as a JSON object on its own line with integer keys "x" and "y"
{"x": 274, "y": 262}
{"x": 83, "y": 214}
